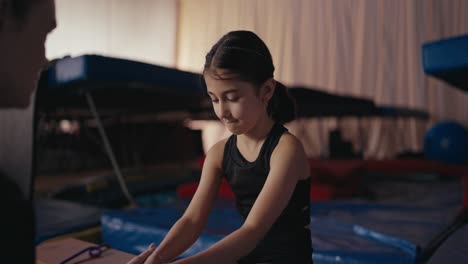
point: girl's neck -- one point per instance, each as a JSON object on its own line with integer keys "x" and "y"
{"x": 258, "y": 133}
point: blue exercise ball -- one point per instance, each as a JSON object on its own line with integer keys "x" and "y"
{"x": 447, "y": 141}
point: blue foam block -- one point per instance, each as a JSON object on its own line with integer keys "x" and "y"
{"x": 342, "y": 232}
{"x": 447, "y": 59}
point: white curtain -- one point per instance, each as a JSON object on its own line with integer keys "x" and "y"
{"x": 143, "y": 30}
{"x": 366, "y": 48}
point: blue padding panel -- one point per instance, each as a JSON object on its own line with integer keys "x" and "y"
{"x": 341, "y": 232}
{"x": 97, "y": 70}
{"x": 447, "y": 59}
{"x": 418, "y": 225}
{"x": 454, "y": 250}
{"x": 55, "y": 218}
{"x": 133, "y": 230}
{"x": 118, "y": 84}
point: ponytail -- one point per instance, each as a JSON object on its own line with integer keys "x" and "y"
{"x": 282, "y": 106}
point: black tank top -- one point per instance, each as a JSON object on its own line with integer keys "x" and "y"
{"x": 288, "y": 240}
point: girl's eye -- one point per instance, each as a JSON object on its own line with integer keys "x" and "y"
{"x": 233, "y": 99}
{"x": 215, "y": 101}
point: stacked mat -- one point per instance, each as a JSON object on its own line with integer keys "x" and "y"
{"x": 342, "y": 232}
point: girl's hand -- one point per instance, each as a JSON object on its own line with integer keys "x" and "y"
{"x": 143, "y": 257}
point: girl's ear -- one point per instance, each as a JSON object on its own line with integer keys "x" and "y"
{"x": 267, "y": 90}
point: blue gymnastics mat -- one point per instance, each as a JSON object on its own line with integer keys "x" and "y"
{"x": 447, "y": 59}
{"x": 342, "y": 232}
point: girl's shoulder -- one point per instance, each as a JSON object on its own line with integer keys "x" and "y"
{"x": 289, "y": 145}
{"x": 289, "y": 142}
{"x": 218, "y": 147}
{"x": 290, "y": 148}
{"x": 216, "y": 153}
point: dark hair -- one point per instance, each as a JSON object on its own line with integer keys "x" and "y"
{"x": 247, "y": 57}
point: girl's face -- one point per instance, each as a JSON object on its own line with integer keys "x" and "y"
{"x": 236, "y": 103}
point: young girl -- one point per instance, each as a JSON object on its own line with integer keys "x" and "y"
{"x": 265, "y": 165}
